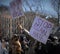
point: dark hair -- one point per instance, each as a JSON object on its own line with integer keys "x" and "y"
{"x": 15, "y": 37}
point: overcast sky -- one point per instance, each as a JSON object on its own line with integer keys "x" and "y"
{"x": 44, "y": 6}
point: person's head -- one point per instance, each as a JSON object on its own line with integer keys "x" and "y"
{"x": 55, "y": 39}
{"x": 15, "y": 37}
{"x": 24, "y": 38}
{"x": 3, "y": 40}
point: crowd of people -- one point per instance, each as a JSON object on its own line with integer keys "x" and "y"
{"x": 22, "y": 44}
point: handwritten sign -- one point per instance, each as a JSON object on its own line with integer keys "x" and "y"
{"x": 41, "y": 29}
{"x": 16, "y": 8}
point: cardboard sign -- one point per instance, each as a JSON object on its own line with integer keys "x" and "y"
{"x": 16, "y": 8}
{"x": 41, "y": 29}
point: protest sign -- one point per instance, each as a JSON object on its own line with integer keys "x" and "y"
{"x": 41, "y": 29}
{"x": 16, "y": 8}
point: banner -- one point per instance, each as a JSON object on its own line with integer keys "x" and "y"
{"x": 16, "y": 8}
{"x": 41, "y": 29}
